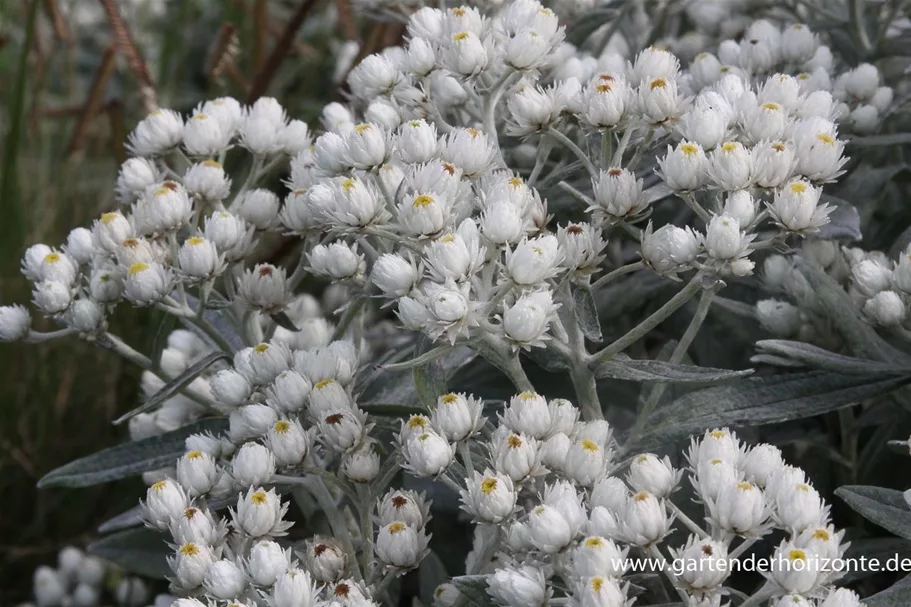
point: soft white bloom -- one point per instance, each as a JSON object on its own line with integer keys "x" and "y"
{"x": 136, "y": 174}
{"x": 724, "y": 238}
{"x": 325, "y": 560}
{"x": 338, "y": 261}
{"x": 416, "y": 141}
{"x": 534, "y": 260}
{"x": 618, "y": 194}
{"x": 230, "y": 234}
{"x": 196, "y": 472}
{"x": 204, "y": 135}
{"x": 659, "y": 101}
{"x": 267, "y": 562}
{"x": 294, "y": 588}
{"x": 490, "y": 497}
{"x": 427, "y": 454}
{"x": 342, "y": 429}
{"x": 669, "y": 249}
{"x": 288, "y": 442}
{"x": 264, "y": 288}
{"x": 730, "y": 166}
{"x": 146, "y": 283}
{"x": 199, "y": 259}
{"x": 605, "y": 101}
{"x": 457, "y": 416}
{"x": 14, "y": 322}
{"x": 684, "y": 168}
{"x": 515, "y": 455}
{"x": 657, "y": 476}
{"x": 886, "y": 308}
{"x": 400, "y": 545}
{"x": 156, "y": 134}
{"x": 260, "y": 513}
{"x": 208, "y": 181}
{"x": 253, "y": 464}
{"x": 597, "y": 556}
{"x": 796, "y": 207}
{"x": 362, "y": 464}
{"x": 191, "y": 563}
{"x": 521, "y": 587}
{"x": 526, "y": 322}
{"x": 225, "y": 579}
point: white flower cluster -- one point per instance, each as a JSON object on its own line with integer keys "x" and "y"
{"x": 878, "y": 286}
{"x": 80, "y": 580}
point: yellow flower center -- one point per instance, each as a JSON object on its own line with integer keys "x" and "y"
{"x": 728, "y": 147}
{"x": 641, "y": 496}
{"x": 138, "y": 268}
{"x": 488, "y": 486}
{"x": 826, "y": 138}
{"x": 193, "y": 455}
{"x": 259, "y": 498}
{"x": 159, "y": 486}
{"x": 594, "y": 542}
{"x": 362, "y": 128}
{"x": 397, "y": 527}
{"x": 423, "y": 201}
{"x": 189, "y": 549}
{"x": 689, "y": 149}
{"x": 349, "y": 184}
{"x": 52, "y": 258}
{"x": 658, "y": 83}
{"x": 282, "y": 426}
{"x": 590, "y": 446}
{"x": 598, "y": 584}
{"x": 798, "y": 188}
{"x": 462, "y": 36}
{"x": 797, "y": 555}
{"x": 448, "y": 399}
{"x": 821, "y": 534}
{"x": 211, "y": 163}
{"x": 261, "y": 348}
{"x": 108, "y": 218}
{"x": 718, "y": 434}
{"x": 324, "y": 383}
{"x": 745, "y": 486}
{"x": 195, "y": 241}
{"x": 773, "y": 107}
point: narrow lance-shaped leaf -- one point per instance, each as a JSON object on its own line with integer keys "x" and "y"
{"x": 622, "y": 367}
{"x": 885, "y": 507}
{"x": 141, "y": 551}
{"x": 128, "y": 459}
{"x": 763, "y": 400}
{"x": 818, "y": 358}
{"x": 587, "y": 313}
{"x": 474, "y": 588}
{"x": 429, "y": 377}
{"x": 174, "y": 386}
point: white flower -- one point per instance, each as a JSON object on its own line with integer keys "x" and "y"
{"x": 548, "y": 529}
{"x": 58, "y": 267}
{"x": 609, "y": 492}
{"x": 502, "y": 223}
{"x": 704, "y": 125}
{"x": 325, "y": 560}
{"x": 597, "y": 556}
{"x": 400, "y": 545}
{"x": 657, "y": 476}
{"x": 156, "y": 133}
{"x": 260, "y": 208}
{"x": 457, "y": 416}
{"x": 704, "y": 564}
{"x": 427, "y": 454}
{"x": 605, "y": 101}
{"x": 534, "y": 260}
{"x": 586, "y": 461}
{"x": 798, "y": 43}
{"x": 669, "y": 249}
{"x": 230, "y": 234}
{"x": 425, "y": 213}
{"x": 164, "y": 500}
{"x": 796, "y": 209}
{"x": 230, "y": 388}
{"x": 796, "y": 570}
{"x": 532, "y": 109}
{"x": 203, "y": 135}
{"x": 196, "y": 472}
{"x": 199, "y": 259}
{"x": 525, "y": 586}
{"x": 644, "y": 520}
{"x": 456, "y": 255}
{"x": 191, "y": 563}
{"x": 225, "y": 579}
{"x": 147, "y": 283}
{"x": 288, "y": 441}
{"x": 886, "y": 308}
{"x": 819, "y": 151}
{"x": 740, "y": 509}
{"x": 842, "y": 597}
{"x": 197, "y": 526}
{"x": 105, "y": 285}
{"x": 294, "y": 138}
{"x": 526, "y": 322}
{"x": 416, "y": 141}
{"x": 490, "y": 497}
{"x": 373, "y": 76}
{"x": 253, "y": 464}
{"x": 654, "y": 62}
{"x": 136, "y": 174}
{"x": 799, "y": 506}
{"x": 658, "y": 100}
{"x": 618, "y": 194}
{"x": 348, "y": 203}
{"x": 250, "y": 421}
{"x": 527, "y": 413}
{"x": 264, "y": 288}
{"x": 684, "y": 168}
{"x": 226, "y": 110}
{"x": 362, "y": 464}
{"x": 515, "y": 455}
{"x": 342, "y": 429}
{"x": 403, "y": 505}
{"x": 208, "y": 181}
{"x": 260, "y": 513}
{"x": 294, "y": 588}
{"x": 724, "y": 238}
{"x": 367, "y": 146}
{"x": 267, "y": 562}
{"x": 15, "y": 322}
{"x": 731, "y": 166}
{"x": 470, "y": 150}
{"x": 163, "y": 208}
{"x": 464, "y": 53}
{"x": 338, "y": 261}
{"x": 773, "y": 163}
{"x": 870, "y": 277}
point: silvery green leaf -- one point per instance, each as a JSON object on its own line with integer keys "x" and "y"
{"x": 657, "y": 192}
{"x": 756, "y": 401}
{"x": 128, "y": 459}
{"x": 283, "y": 321}
{"x": 857, "y": 333}
{"x": 623, "y": 367}
{"x": 630, "y": 294}
{"x": 844, "y": 224}
{"x": 547, "y": 359}
{"x": 175, "y": 385}
{"x": 586, "y": 312}
{"x": 474, "y": 588}
{"x": 141, "y": 551}
{"x": 220, "y": 321}
{"x": 885, "y": 507}
{"x": 735, "y": 307}
{"x": 431, "y": 574}
{"x": 865, "y": 184}
{"x": 430, "y": 376}
{"x": 160, "y": 342}
{"x": 898, "y": 595}
{"x": 818, "y": 358}
{"x": 420, "y": 360}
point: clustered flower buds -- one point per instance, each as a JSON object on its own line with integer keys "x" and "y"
{"x": 480, "y": 184}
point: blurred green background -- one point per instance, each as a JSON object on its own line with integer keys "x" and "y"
{"x": 75, "y": 75}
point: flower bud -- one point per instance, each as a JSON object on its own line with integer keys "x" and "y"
{"x": 490, "y": 497}
{"x": 157, "y": 133}
{"x": 669, "y": 249}
{"x": 457, "y": 416}
{"x": 595, "y": 556}
{"x": 146, "y": 283}
{"x": 361, "y": 465}
{"x": 325, "y": 560}
{"x": 267, "y": 562}
{"x": 294, "y": 588}
{"x": 260, "y": 513}
{"x": 250, "y": 421}
{"x": 190, "y": 564}
{"x": 525, "y": 586}
{"x": 230, "y": 389}
{"x": 779, "y": 317}
{"x": 15, "y": 322}
{"x": 400, "y": 545}
{"x": 886, "y": 308}
{"x": 196, "y": 473}
{"x": 657, "y": 476}
{"x": 288, "y": 442}
{"x": 253, "y": 464}
{"x": 260, "y": 208}
{"x": 427, "y": 454}
{"x": 618, "y": 194}
{"x": 203, "y": 135}
{"x": 264, "y": 288}
{"x": 225, "y": 580}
